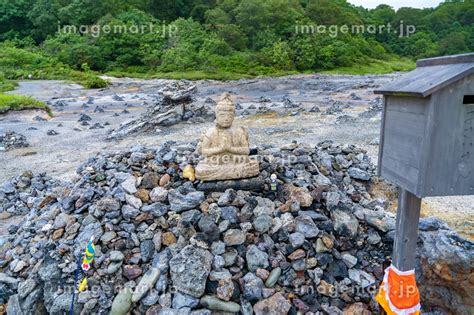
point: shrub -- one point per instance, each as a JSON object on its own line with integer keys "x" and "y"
{"x": 94, "y": 82}
{"x": 279, "y": 55}
{"x": 20, "y": 102}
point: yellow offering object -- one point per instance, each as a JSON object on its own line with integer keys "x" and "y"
{"x": 188, "y": 172}
{"x": 83, "y": 285}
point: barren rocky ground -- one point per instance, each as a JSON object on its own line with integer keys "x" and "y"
{"x": 303, "y": 108}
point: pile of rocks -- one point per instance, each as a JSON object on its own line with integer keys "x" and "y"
{"x": 317, "y": 243}
{"x": 10, "y": 140}
{"x": 375, "y": 108}
{"x": 173, "y": 104}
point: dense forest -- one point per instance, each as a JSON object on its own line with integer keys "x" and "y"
{"x": 247, "y": 37}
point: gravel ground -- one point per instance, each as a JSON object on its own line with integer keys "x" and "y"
{"x": 347, "y": 99}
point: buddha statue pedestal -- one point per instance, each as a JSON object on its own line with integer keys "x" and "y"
{"x": 225, "y": 148}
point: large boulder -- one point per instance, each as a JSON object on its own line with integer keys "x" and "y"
{"x": 189, "y": 270}
{"x": 445, "y": 271}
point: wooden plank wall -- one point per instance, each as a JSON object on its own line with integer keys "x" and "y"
{"x": 403, "y": 141}
{"x": 449, "y": 166}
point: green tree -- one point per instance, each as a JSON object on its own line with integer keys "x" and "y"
{"x": 332, "y": 12}
{"x": 453, "y": 43}
{"x": 14, "y": 22}
{"x": 45, "y": 17}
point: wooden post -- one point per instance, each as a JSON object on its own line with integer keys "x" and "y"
{"x": 406, "y": 231}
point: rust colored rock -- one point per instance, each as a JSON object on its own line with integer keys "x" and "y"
{"x": 447, "y": 271}
{"x": 262, "y": 273}
{"x": 298, "y": 194}
{"x": 57, "y": 234}
{"x": 357, "y": 309}
{"x": 297, "y": 254}
{"x": 168, "y": 239}
{"x": 132, "y": 271}
{"x": 275, "y": 305}
{"x": 164, "y": 180}
{"x": 143, "y": 217}
{"x": 143, "y": 195}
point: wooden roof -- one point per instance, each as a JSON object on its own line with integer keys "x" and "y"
{"x": 430, "y": 76}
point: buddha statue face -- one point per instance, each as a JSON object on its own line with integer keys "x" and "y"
{"x": 224, "y": 117}
{"x": 225, "y": 112}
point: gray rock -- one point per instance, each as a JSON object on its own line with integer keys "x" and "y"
{"x": 26, "y": 287}
{"x": 383, "y": 225}
{"x": 234, "y": 237}
{"x": 201, "y": 312}
{"x": 320, "y": 247}
{"x": 61, "y": 220}
{"x": 361, "y": 277}
{"x": 373, "y": 238}
{"x": 218, "y": 248}
{"x": 129, "y": 212}
{"x": 13, "y": 306}
{"x": 349, "y": 260}
{"x": 157, "y": 209}
{"x": 230, "y": 213}
{"x": 306, "y": 226}
{"x": 181, "y": 300}
{"x": 116, "y": 256}
{"x": 108, "y": 204}
{"x": 180, "y": 202}
{"x": 190, "y": 217}
{"x": 147, "y": 249}
{"x": 129, "y": 185}
{"x": 321, "y": 181}
{"x": 230, "y": 257}
{"x": 10, "y": 281}
{"x": 108, "y": 236}
{"x": 7, "y": 188}
{"x": 345, "y": 223}
{"x": 189, "y": 270}
{"x": 262, "y": 223}
{"x": 256, "y": 258}
{"x": 159, "y": 194}
{"x": 218, "y": 262}
{"x": 61, "y": 304}
{"x": 453, "y": 259}
{"x": 133, "y": 201}
{"x": 91, "y": 230}
{"x": 431, "y": 224}
{"x": 113, "y": 267}
{"x": 296, "y": 239}
{"x": 151, "y": 298}
{"x": 357, "y": 173}
{"x": 226, "y": 198}
{"x": 252, "y": 287}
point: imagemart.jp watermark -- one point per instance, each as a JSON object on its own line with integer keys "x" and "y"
{"x": 401, "y": 30}
{"x": 96, "y": 30}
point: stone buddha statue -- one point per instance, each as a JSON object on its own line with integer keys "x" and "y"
{"x": 225, "y": 148}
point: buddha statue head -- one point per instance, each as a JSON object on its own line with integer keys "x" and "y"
{"x": 225, "y": 112}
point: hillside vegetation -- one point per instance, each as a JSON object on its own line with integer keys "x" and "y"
{"x": 220, "y": 39}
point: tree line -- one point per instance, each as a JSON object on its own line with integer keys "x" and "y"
{"x": 245, "y": 36}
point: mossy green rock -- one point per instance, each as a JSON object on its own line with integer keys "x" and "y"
{"x": 215, "y": 304}
{"x": 122, "y": 302}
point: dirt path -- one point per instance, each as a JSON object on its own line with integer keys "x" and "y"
{"x": 345, "y": 116}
